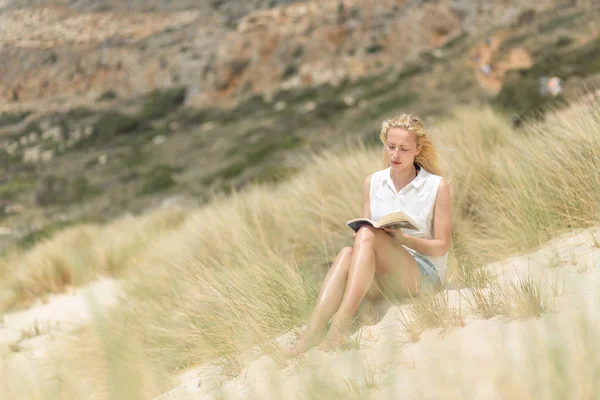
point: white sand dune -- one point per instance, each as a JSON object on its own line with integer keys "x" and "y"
{"x": 31, "y": 338}
{"x": 32, "y": 328}
{"x": 485, "y": 358}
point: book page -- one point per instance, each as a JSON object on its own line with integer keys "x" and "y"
{"x": 397, "y": 219}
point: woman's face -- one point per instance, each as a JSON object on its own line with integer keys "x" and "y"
{"x": 402, "y": 149}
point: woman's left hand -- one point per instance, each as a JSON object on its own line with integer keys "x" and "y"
{"x": 396, "y": 234}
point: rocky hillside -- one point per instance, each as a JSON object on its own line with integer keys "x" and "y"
{"x": 67, "y": 53}
{"x": 109, "y": 107}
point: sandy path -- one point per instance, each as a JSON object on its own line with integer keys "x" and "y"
{"x": 484, "y": 351}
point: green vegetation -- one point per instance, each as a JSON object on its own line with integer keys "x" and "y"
{"x": 455, "y": 41}
{"x": 161, "y": 129}
{"x": 49, "y": 231}
{"x": 32, "y": 127}
{"x": 522, "y": 96}
{"x": 9, "y": 160}
{"x": 521, "y": 92}
{"x": 582, "y": 61}
{"x": 109, "y": 126}
{"x": 62, "y": 190}
{"x": 409, "y": 71}
{"x": 115, "y": 123}
{"x": 108, "y": 95}
{"x": 261, "y": 150}
{"x": 194, "y": 117}
{"x": 427, "y": 57}
{"x": 255, "y": 155}
{"x": 158, "y": 179}
{"x": 12, "y": 118}
{"x": 302, "y": 95}
{"x": 328, "y": 109}
{"x": 78, "y": 113}
{"x": 134, "y": 157}
{"x": 328, "y": 98}
{"x": 162, "y": 102}
{"x": 12, "y": 188}
{"x": 563, "y": 41}
{"x": 563, "y": 21}
{"x": 512, "y": 41}
{"x": 396, "y": 102}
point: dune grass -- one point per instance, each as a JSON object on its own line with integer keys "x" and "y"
{"x": 213, "y": 282}
{"x": 79, "y": 254}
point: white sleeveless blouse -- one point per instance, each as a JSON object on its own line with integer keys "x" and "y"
{"x": 416, "y": 199}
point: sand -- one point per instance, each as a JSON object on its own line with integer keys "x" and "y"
{"x": 34, "y": 329}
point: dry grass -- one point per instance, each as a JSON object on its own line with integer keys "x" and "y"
{"x": 596, "y": 244}
{"x": 34, "y": 330}
{"x": 210, "y": 283}
{"x": 78, "y": 255}
{"x": 429, "y": 310}
{"x": 555, "y": 260}
{"x": 521, "y": 299}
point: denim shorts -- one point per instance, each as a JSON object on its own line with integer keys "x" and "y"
{"x": 429, "y": 273}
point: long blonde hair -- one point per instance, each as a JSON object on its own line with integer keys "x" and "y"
{"x": 428, "y": 157}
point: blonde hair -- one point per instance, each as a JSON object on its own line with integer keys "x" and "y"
{"x": 428, "y": 157}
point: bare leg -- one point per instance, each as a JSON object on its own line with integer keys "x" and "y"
{"x": 328, "y": 302}
{"x": 375, "y": 253}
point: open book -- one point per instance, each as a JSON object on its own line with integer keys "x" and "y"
{"x": 393, "y": 220}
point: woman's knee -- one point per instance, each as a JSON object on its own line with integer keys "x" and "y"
{"x": 366, "y": 234}
{"x": 346, "y": 252}
{"x": 343, "y": 257}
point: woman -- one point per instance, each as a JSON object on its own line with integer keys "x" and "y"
{"x": 402, "y": 261}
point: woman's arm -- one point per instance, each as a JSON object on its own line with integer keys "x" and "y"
{"x": 442, "y": 227}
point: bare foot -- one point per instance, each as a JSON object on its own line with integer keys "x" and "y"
{"x": 334, "y": 339}
{"x": 305, "y": 343}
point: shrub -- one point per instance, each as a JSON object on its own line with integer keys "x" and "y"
{"x": 328, "y": 109}
{"x": 581, "y": 61}
{"x": 13, "y": 118}
{"x": 79, "y": 113}
{"x": 455, "y": 41}
{"x": 114, "y": 123}
{"x": 33, "y": 126}
{"x": 521, "y": 93}
{"x": 12, "y": 188}
{"x": 564, "y": 21}
{"x": 523, "y": 97}
{"x": 563, "y": 41}
{"x": 158, "y": 179}
{"x": 62, "y": 190}
{"x": 162, "y": 102}
{"x": 134, "y": 158}
{"x": 108, "y": 95}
